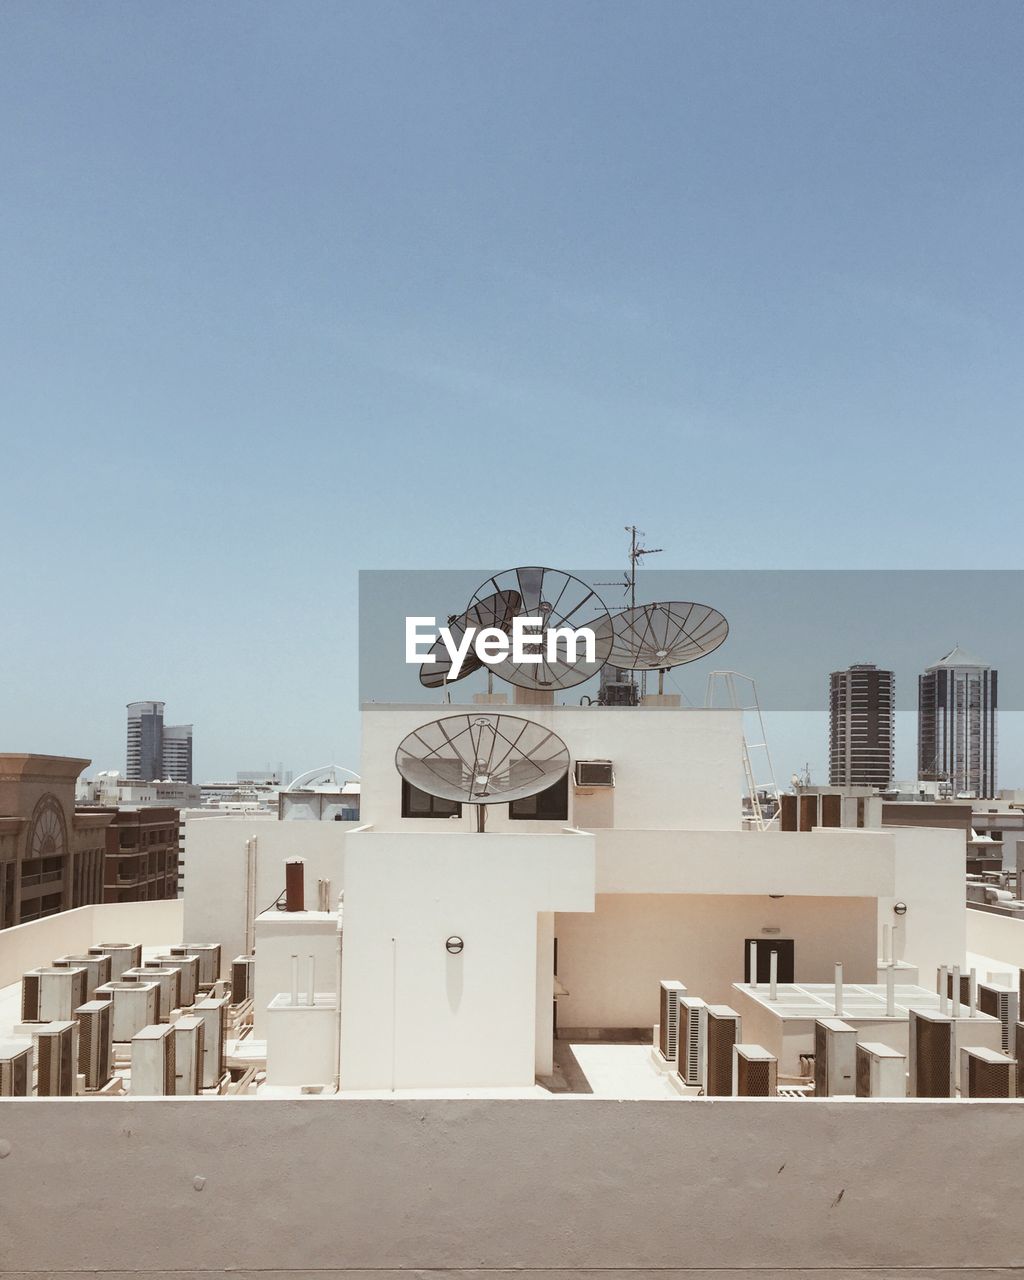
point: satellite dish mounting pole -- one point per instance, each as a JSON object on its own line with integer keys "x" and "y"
{"x": 481, "y": 817}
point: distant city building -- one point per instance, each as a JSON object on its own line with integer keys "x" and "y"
{"x": 956, "y": 725}
{"x": 144, "y": 757}
{"x": 328, "y": 794}
{"x": 156, "y": 750}
{"x": 109, "y": 788}
{"x": 177, "y": 753}
{"x": 861, "y": 723}
{"x": 51, "y": 858}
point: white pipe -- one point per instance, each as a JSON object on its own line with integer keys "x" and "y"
{"x": 295, "y": 981}
{"x": 943, "y": 993}
{"x": 753, "y": 963}
{"x": 956, "y": 991}
{"x": 337, "y": 975}
{"x": 886, "y": 943}
{"x": 839, "y": 990}
{"x": 773, "y": 976}
{"x": 973, "y": 992}
{"x": 890, "y": 991}
{"x": 311, "y": 981}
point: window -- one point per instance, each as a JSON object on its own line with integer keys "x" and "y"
{"x": 550, "y": 805}
{"x": 417, "y": 804}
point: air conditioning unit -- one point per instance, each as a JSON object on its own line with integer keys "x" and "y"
{"x": 97, "y": 968}
{"x": 169, "y": 982}
{"x": 214, "y": 1015}
{"x": 56, "y": 1059}
{"x": 881, "y": 1071}
{"x": 189, "y": 1036}
{"x": 755, "y": 1072}
{"x": 835, "y": 1058}
{"x": 932, "y": 1055}
{"x": 720, "y": 1027}
{"x": 188, "y": 967}
{"x": 690, "y": 1037}
{"x": 243, "y": 972}
{"x": 594, "y": 773}
{"x": 52, "y": 994}
{"x": 135, "y": 1005}
{"x": 668, "y": 1030}
{"x": 984, "y": 1073}
{"x": 95, "y": 1047}
{"x": 15, "y": 1068}
{"x": 123, "y": 955}
{"x": 153, "y": 1071}
{"x": 209, "y": 959}
{"x": 1002, "y": 1003}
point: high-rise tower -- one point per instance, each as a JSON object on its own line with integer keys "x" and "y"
{"x": 956, "y": 725}
{"x": 177, "y": 753}
{"x": 861, "y": 723}
{"x": 145, "y": 741}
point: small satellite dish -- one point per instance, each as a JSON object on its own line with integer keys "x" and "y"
{"x": 560, "y": 601}
{"x": 497, "y": 610}
{"x": 654, "y": 637}
{"x": 488, "y": 758}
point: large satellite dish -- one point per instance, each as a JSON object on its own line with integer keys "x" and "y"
{"x": 559, "y": 600}
{"x": 654, "y": 637}
{"x": 482, "y": 759}
{"x": 496, "y": 610}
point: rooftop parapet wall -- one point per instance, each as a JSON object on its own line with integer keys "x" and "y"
{"x": 577, "y": 1187}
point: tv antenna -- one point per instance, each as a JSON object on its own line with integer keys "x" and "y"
{"x": 482, "y": 759}
{"x": 636, "y": 554}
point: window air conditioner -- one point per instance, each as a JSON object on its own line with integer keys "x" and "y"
{"x": 932, "y": 1055}
{"x": 15, "y": 1069}
{"x": 95, "y": 1049}
{"x": 189, "y": 1032}
{"x": 835, "y": 1058}
{"x": 594, "y": 773}
{"x": 169, "y": 982}
{"x": 123, "y": 955}
{"x": 984, "y": 1073}
{"x": 56, "y": 1059}
{"x": 153, "y": 1061}
{"x": 881, "y": 1071}
{"x": 243, "y": 969}
{"x": 668, "y": 1030}
{"x": 690, "y": 1056}
{"x": 755, "y": 1072}
{"x": 721, "y": 1031}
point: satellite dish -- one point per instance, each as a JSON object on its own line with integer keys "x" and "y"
{"x": 560, "y": 600}
{"x": 654, "y": 637}
{"x": 496, "y": 610}
{"x": 482, "y": 759}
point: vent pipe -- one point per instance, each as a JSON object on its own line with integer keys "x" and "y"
{"x": 973, "y": 992}
{"x": 943, "y": 992}
{"x": 956, "y": 991}
{"x": 753, "y": 964}
{"x": 839, "y": 990}
{"x": 887, "y": 955}
{"x": 890, "y": 991}
{"x": 295, "y": 981}
{"x": 773, "y": 976}
{"x": 295, "y": 884}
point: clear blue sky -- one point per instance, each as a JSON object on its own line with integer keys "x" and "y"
{"x": 290, "y": 290}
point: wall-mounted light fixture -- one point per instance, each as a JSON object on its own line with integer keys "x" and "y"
{"x": 453, "y": 945}
{"x": 900, "y": 909}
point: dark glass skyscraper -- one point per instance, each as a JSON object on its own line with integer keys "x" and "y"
{"x": 956, "y": 725}
{"x": 861, "y": 722}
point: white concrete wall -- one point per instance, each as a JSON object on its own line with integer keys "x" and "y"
{"x": 1000, "y": 937}
{"x": 928, "y": 875}
{"x": 674, "y": 767}
{"x": 279, "y": 936}
{"x": 812, "y": 863}
{"x": 559, "y": 1190}
{"x": 26, "y": 946}
{"x": 613, "y": 960}
{"x": 415, "y": 1016}
{"x": 215, "y": 887}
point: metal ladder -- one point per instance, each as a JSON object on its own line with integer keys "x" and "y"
{"x": 724, "y": 683}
